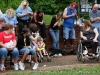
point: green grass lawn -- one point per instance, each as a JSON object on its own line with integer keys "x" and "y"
{"x": 86, "y": 70}
{"x": 47, "y": 19}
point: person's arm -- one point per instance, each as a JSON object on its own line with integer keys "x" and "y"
{"x": 83, "y": 37}
{"x": 96, "y": 34}
{"x": 34, "y": 17}
{"x": 67, "y": 16}
{"x": 92, "y": 19}
{"x": 42, "y": 20}
{"x": 57, "y": 23}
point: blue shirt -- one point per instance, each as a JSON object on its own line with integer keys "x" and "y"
{"x": 22, "y": 11}
{"x": 69, "y": 22}
{"x": 13, "y": 21}
{"x": 93, "y": 14}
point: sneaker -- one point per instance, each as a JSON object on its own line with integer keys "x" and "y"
{"x": 15, "y": 66}
{"x": 55, "y": 55}
{"x": 59, "y": 54}
{"x": 35, "y": 66}
{"x": 2, "y": 68}
{"x": 85, "y": 52}
{"x": 21, "y": 66}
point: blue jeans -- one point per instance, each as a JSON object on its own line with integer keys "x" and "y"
{"x": 4, "y": 52}
{"x": 68, "y": 33}
{"x": 27, "y": 50}
{"x": 55, "y": 37}
{"x": 97, "y": 25}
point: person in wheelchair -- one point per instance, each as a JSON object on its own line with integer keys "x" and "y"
{"x": 89, "y": 35}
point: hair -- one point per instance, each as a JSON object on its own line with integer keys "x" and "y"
{"x": 24, "y": 31}
{"x": 58, "y": 17}
{"x": 38, "y": 12}
{"x": 86, "y": 24}
{"x": 24, "y": 2}
{"x": 39, "y": 39}
{"x": 2, "y": 19}
{"x": 33, "y": 27}
{"x": 8, "y": 26}
{"x": 10, "y": 13}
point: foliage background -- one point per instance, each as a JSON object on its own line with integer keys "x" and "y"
{"x": 49, "y": 6}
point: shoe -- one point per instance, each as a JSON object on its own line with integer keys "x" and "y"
{"x": 55, "y": 55}
{"x": 21, "y": 66}
{"x": 15, "y": 66}
{"x": 35, "y": 66}
{"x": 59, "y": 54}
{"x": 85, "y": 52}
{"x": 2, "y": 68}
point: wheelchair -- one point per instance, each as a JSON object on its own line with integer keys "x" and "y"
{"x": 80, "y": 50}
{"x": 40, "y": 59}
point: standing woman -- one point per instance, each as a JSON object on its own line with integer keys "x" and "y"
{"x": 23, "y": 14}
{"x": 54, "y": 29}
{"x": 8, "y": 44}
{"x": 38, "y": 18}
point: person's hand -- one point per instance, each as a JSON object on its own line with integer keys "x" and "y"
{"x": 95, "y": 40}
{"x": 73, "y": 14}
{"x": 41, "y": 23}
{"x": 11, "y": 48}
{"x": 27, "y": 13}
{"x": 98, "y": 18}
{"x": 84, "y": 38}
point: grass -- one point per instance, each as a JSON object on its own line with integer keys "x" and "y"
{"x": 47, "y": 19}
{"x": 85, "y": 70}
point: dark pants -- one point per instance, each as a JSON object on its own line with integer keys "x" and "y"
{"x": 22, "y": 24}
{"x": 42, "y": 29}
{"x": 92, "y": 44}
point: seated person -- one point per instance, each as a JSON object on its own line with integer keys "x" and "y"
{"x": 8, "y": 44}
{"x": 40, "y": 46}
{"x": 24, "y": 47}
{"x": 89, "y": 35}
{"x": 2, "y": 23}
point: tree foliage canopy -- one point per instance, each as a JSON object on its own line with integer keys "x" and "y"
{"x": 49, "y": 6}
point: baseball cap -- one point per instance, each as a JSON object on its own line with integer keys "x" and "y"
{"x": 73, "y": 5}
{"x": 24, "y": 30}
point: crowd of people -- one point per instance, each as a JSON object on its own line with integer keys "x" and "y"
{"x": 32, "y": 32}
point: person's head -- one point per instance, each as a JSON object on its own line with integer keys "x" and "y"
{"x": 59, "y": 16}
{"x": 33, "y": 27}
{"x": 2, "y": 22}
{"x": 86, "y": 24}
{"x": 40, "y": 39}
{"x": 73, "y": 5}
{"x": 95, "y": 7}
{"x": 24, "y": 4}
{"x": 40, "y": 12}
{"x": 8, "y": 28}
{"x": 25, "y": 31}
{"x": 10, "y": 13}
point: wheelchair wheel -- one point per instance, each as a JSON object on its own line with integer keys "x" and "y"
{"x": 98, "y": 53}
{"x": 40, "y": 60}
{"x": 83, "y": 60}
{"x": 48, "y": 59}
{"x": 79, "y": 51}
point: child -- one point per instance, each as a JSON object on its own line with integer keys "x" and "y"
{"x": 40, "y": 46}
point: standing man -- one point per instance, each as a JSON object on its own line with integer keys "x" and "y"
{"x": 68, "y": 25}
{"x": 94, "y": 16}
